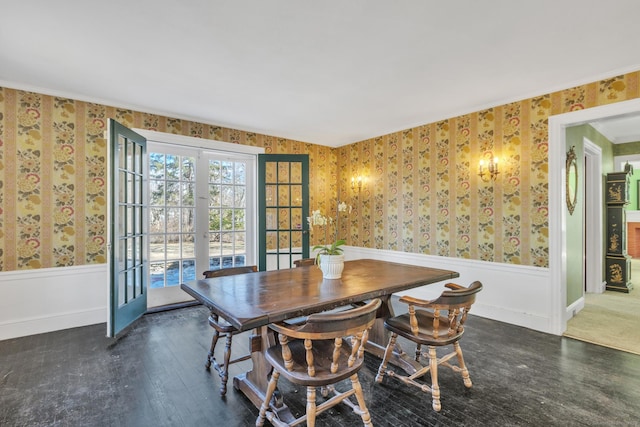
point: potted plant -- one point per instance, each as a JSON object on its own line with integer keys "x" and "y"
{"x": 329, "y": 256}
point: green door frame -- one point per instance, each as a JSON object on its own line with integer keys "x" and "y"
{"x": 276, "y": 217}
{"x": 127, "y": 227}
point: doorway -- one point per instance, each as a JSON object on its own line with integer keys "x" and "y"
{"x": 190, "y": 175}
{"x": 557, "y": 211}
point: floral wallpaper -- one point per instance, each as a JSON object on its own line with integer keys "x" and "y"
{"x": 53, "y": 174}
{"x": 422, "y": 192}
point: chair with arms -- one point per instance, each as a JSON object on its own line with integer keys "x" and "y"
{"x": 435, "y": 323}
{"x": 223, "y": 328}
{"x": 304, "y": 261}
{"x": 314, "y": 354}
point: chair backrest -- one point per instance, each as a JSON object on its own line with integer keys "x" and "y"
{"x": 333, "y": 326}
{"x": 458, "y": 296}
{"x": 456, "y": 301}
{"x": 230, "y": 271}
{"x": 304, "y": 261}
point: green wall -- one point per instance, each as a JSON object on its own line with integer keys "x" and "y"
{"x": 629, "y": 149}
{"x": 633, "y": 191}
{"x": 575, "y": 223}
{"x": 626, "y": 149}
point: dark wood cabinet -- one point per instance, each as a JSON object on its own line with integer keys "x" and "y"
{"x": 617, "y": 188}
{"x": 616, "y": 230}
{"x": 619, "y": 273}
{"x": 618, "y": 263}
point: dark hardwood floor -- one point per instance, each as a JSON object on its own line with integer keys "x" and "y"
{"x": 155, "y": 376}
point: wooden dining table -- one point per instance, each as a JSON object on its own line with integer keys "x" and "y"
{"x": 254, "y": 300}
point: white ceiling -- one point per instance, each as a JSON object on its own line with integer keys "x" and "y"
{"x": 330, "y": 72}
{"x": 620, "y": 129}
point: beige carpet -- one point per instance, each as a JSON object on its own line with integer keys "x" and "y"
{"x": 610, "y": 319}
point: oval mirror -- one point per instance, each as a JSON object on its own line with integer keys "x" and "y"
{"x": 572, "y": 180}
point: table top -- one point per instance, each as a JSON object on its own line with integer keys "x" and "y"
{"x": 257, "y": 299}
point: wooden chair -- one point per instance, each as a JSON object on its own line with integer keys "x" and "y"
{"x": 304, "y": 261}
{"x": 314, "y": 354}
{"x": 223, "y": 328}
{"x": 436, "y": 324}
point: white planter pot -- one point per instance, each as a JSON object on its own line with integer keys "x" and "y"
{"x": 332, "y": 266}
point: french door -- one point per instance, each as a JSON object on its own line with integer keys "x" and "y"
{"x": 283, "y": 198}
{"x": 202, "y": 211}
{"x": 180, "y": 210}
{"x": 127, "y": 227}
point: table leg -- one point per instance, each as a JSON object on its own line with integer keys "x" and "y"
{"x": 253, "y": 383}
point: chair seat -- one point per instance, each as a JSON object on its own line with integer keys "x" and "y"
{"x": 322, "y": 351}
{"x": 402, "y": 326}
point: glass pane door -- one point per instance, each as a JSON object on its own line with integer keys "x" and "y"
{"x": 172, "y": 215}
{"x": 128, "y": 212}
{"x": 284, "y": 207}
{"x": 201, "y": 216}
{"x": 227, "y": 212}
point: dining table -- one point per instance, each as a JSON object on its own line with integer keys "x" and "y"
{"x": 252, "y": 301}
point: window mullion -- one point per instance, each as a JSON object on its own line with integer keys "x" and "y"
{"x": 202, "y": 213}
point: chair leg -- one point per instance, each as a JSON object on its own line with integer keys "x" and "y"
{"x": 387, "y": 355}
{"x": 433, "y": 368}
{"x": 311, "y": 406}
{"x": 463, "y": 367}
{"x": 271, "y": 387}
{"x": 211, "y": 357}
{"x": 224, "y": 369}
{"x": 364, "y": 412}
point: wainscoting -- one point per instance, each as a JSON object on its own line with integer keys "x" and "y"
{"x": 51, "y": 299}
{"x": 513, "y": 294}
{"x": 45, "y": 300}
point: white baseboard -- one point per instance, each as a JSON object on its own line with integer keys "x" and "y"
{"x": 52, "y": 322}
{"x": 575, "y": 308}
{"x": 51, "y": 299}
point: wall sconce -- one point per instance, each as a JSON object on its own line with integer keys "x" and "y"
{"x": 357, "y": 182}
{"x": 489, "y": 172}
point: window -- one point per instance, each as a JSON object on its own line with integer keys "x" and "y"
{"x": 172, "y": 212}
{"x": 227, "y": 213}
{"x": 201, "y": 211}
